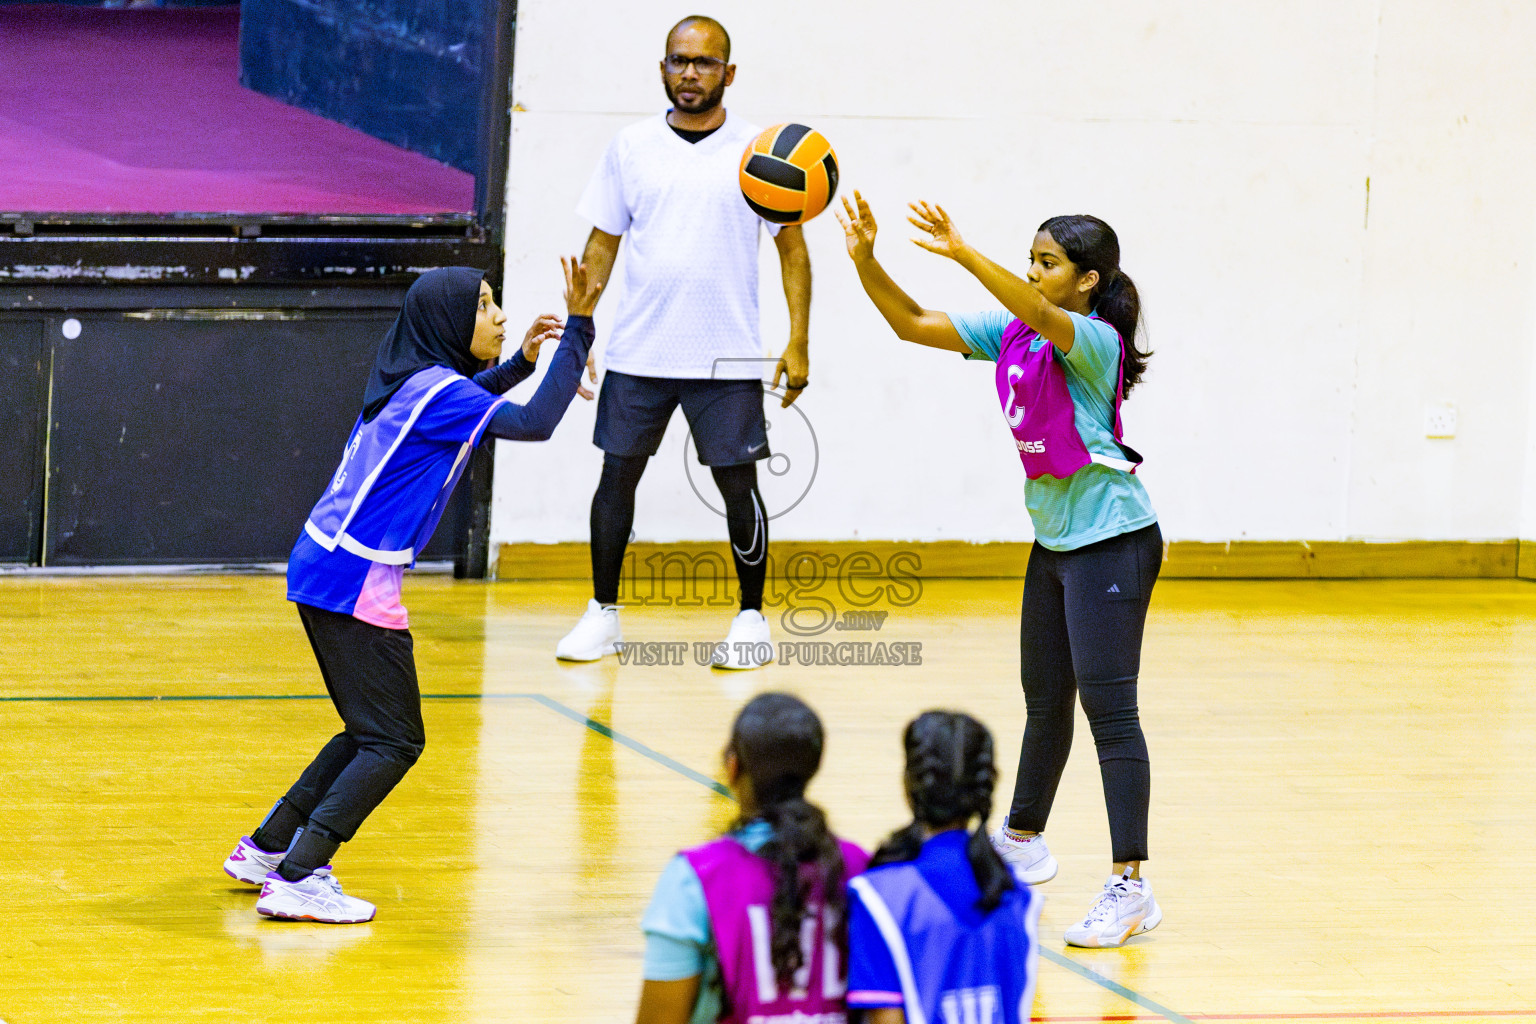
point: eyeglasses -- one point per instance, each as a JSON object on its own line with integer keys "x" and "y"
{"x": 677, "y": 63}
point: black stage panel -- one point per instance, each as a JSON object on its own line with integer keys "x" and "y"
{"x": 23, "y": 404}
{"x": 202, "y": 436}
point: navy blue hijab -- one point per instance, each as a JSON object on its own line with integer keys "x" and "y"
{"x": 435, "y": 327}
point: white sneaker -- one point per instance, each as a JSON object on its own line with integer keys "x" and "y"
{"x": 317, "y": 897}
{"x": 250, "y": 863}
{"x": 1123, "y": 909}
{"x": 748, "y": 645}
{"x": 596, "y": 634}
{"x": 1028, "y": 858}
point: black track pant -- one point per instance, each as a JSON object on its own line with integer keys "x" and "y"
{"x": 1080, "y": 637}
{"x": 613, "y": 515}
{"x": 370, "y": 673}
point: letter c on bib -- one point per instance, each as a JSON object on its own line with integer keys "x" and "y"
{"x": 1015, "y": 414}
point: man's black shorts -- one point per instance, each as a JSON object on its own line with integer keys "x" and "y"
{"x": 725, "y": 416}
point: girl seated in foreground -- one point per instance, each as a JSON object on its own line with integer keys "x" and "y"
{"x": 939, "y": 928}
{"x": 752, "y": 926}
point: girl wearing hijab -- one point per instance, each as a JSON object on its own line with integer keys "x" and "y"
{"x": 424, "y": 410}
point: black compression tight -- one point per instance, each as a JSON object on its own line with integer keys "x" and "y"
{"x": 1080, "y": 638}
{"x": 613, "y": 516}
{"x": 747, "y": 521}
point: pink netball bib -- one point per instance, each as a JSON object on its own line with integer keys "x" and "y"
{"x": 738, "y": 890}
{"x": 1032, "y": 388}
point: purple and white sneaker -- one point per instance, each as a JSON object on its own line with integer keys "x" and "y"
{"x": 315, "y": 897}
{"x": 1123, "y": 909}
{"x": 250, "y": 863}
{"x": 1028, "y": 858}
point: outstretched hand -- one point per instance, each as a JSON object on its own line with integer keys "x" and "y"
{"x": 859, "y": 227}
{"x": 581, "y": 295}
{"x": 581, "y": 289}
{"x": 935, "y": 223}
{"x": 546, "y": 328}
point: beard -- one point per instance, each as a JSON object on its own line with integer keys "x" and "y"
{"x": 708, "y": 101}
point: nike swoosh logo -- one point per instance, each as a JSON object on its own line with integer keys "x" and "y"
{"x": 754, "y": 449}
{"x": 759, "y": 536}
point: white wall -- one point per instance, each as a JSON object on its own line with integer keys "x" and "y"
{"x": 1447, "y": 302}
{"x": 1297, "y": 340}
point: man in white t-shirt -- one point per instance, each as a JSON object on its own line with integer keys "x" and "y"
{"x": 687, "y": 327}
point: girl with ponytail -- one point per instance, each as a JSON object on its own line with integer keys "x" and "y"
{"x": 1066, "y": 354}
{"x": 938, "y": 922}
{"x": 753, "y": 925}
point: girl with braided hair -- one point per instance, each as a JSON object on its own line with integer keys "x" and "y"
{"x": 753, "y": 924}
{"x": 1065, "y": 348}
{"x": 939, "y": 928}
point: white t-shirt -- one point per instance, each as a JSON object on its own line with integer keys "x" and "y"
{"x": 688, "y": 307}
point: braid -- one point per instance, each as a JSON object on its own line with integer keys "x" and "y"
{"x": 807, "y": 870}
{"x": 950, "y": 776}
{"x": 992, "y": 875}
{"x": 777, "y": 740}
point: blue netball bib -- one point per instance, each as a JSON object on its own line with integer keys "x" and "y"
{"x": 387, "y": 496}
{"x": 908, "y": 947}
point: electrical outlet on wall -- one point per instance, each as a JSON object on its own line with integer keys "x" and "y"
{"x": 1440, "y": 420}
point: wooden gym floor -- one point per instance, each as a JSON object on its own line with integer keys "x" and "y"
{"x": 1344, "y": 800}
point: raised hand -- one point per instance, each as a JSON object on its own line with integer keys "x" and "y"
{"x": 859, "y": 227}
{"x": 581, "y": 294}
{"x": 581, "y": 289}
{"x": 935, "y": 223}
{"x": 546, "y": 328}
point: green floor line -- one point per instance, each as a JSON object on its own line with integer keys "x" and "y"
{"x": 607, "y": 731}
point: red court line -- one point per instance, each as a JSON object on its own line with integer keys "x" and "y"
{"x": 1362, "y": 1015}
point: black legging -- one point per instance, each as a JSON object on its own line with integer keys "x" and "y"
{"x": 1080, "y": 635}
{"x": 613, "y": 516}
{"x": 370, "y": 674}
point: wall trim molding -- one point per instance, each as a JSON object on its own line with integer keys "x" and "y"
{"x": 1007, "y": 559}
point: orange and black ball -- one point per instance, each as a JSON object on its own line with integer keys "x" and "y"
{"x": 789, "y": 174}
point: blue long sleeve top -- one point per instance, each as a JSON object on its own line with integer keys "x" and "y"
{"x": 537, "y": 420}
{"x": 500, "y": 379}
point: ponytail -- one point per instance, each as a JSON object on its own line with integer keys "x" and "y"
{"x": 777, "y": 741}
{"x": 949, "y": 779}
{"x": 1118, "y": 302}
{"x": 1092, "y": 244}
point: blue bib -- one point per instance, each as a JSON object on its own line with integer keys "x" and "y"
{"x": 949, "y": 970}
